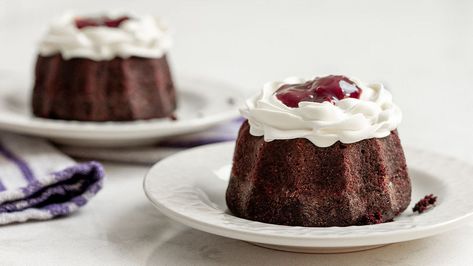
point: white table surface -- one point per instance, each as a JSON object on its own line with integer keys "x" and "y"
{"x": 120, "y": 227}
{"x": 422, "y": 51}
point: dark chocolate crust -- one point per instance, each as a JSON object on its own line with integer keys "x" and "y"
{"x": 113, "y": 90}
{"x": 293, "y": 182}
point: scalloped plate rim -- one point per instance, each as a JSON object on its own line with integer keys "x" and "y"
{"x": 325, "y": 241}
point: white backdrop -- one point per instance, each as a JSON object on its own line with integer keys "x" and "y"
{"x": 423, "y": 51}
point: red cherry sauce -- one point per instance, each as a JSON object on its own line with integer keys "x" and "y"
{"x": 100, "y": 22}
{"x": 322, "y": 89}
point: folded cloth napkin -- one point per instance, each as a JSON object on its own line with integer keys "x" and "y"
{"x": 151, "y": 154}
{"x": 37, "y": 182}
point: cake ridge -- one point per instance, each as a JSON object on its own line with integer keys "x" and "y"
{"x": 329, "y": 189}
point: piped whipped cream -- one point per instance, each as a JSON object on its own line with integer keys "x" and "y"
{"x": 349, "y": 120}
{"x": 141, "y": 36}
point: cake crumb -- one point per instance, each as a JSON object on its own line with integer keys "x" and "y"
{"x": 173, "y": 117}
{"x": 425, "y": 203}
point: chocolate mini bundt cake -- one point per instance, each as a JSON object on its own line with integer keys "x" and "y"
{"x": 105, "y": 68}
{"x": 323, "y": 152}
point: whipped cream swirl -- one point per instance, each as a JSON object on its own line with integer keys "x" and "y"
{"x": 142, "y": 36}
{"x": 349, "y": 120}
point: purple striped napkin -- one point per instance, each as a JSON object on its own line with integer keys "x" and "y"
{"x": 37, "y": 182}
{"x": 151, "y": 154}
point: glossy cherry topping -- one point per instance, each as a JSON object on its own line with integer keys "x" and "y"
{"x": 100, "y": 22}
{"x": 322, "y": 89}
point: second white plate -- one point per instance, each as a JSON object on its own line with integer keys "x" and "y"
{"x": 201, "y": 104}
{"x": 190, "y": 188}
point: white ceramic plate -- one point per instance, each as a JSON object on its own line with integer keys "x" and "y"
{"x": 201, "y": 104}
{"x": 190, "y": 188}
